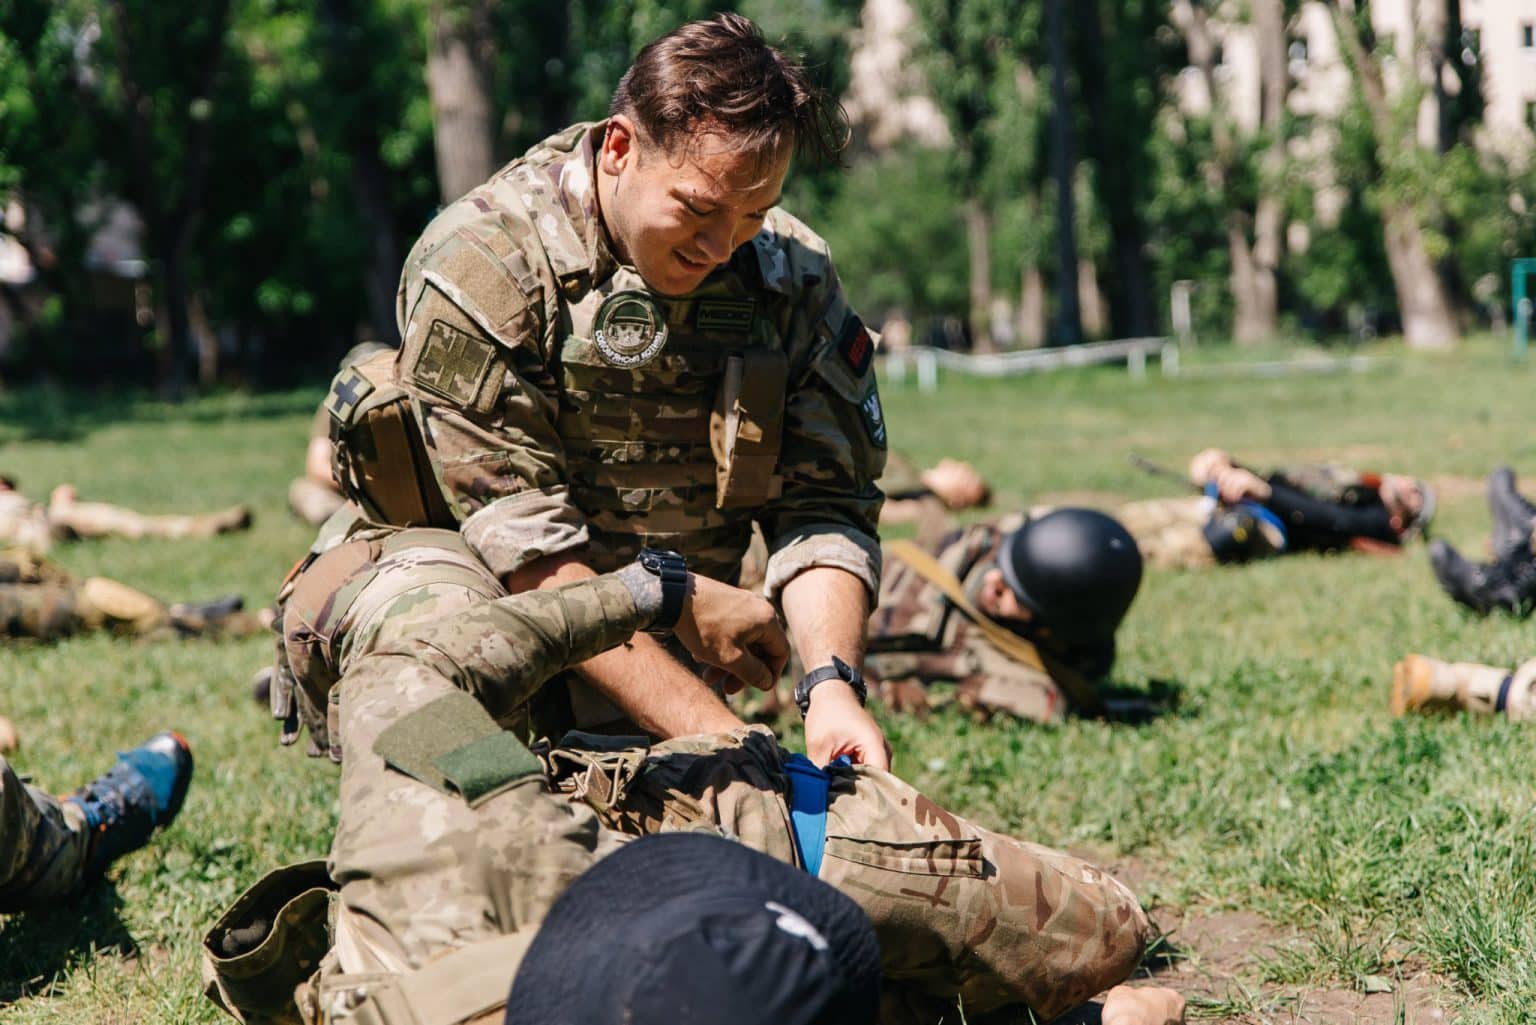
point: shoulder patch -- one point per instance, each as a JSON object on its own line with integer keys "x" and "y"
{"x": 452, "y": 364}
{"x": 347, "y": 389}
{"x": 855, "y": 345}
{"x": 874, "y": 416}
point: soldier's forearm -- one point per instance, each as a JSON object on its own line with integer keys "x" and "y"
{"x": 827, "y": 610}
{"x": 550, "y": 571}
{"x": 657, "y": 691}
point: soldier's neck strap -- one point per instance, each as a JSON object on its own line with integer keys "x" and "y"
{"x": 1082, "y": 693}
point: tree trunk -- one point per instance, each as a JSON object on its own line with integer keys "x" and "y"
{"x": 1031, "y": 309}
{"x": 1424, "y": 304}
{"x": 1428, "y": 318}
{"x": 1069, "y": 326}
{"x": 1131, "y": 301}
{"x": 347, "y": 71}
{"x": 463, "y": 127}
{"x": 1255, "y": 262}
{"x": 1091, "y": 301}
{"x": 978, "y": 245}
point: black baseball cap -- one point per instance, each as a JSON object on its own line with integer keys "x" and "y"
{"x": 693, "y": 929}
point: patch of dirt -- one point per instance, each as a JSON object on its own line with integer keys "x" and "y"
{"x": 1216, "y": 959}
{"x": 1454, "y": 489}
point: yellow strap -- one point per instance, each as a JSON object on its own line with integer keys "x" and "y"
{"x": 1082, "y": 693}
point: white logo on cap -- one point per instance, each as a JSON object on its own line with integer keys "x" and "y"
{"x": 795, "y": 924}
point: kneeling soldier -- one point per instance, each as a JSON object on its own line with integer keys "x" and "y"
{"x": 454, "y": 839}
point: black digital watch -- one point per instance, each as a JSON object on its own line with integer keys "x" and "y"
{"x": 838, "y": 670}
{"x": 672, "y": 569}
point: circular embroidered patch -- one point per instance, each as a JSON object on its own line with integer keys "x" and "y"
{"x": 630, "y": 329}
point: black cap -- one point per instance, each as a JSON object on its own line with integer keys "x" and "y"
{"x": 1078, "y": 570}
{"x": 692, "y": 929}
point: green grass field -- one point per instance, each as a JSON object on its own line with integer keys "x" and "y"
{"x": 1374, "y": 855}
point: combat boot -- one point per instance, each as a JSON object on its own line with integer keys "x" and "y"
{"x": 1508, "y": 584}
{"x": 1421, "y": 684}
{"x": 139, "y": 794}
{"x": 1513, "y": 516}
{"x": 220, "y": 616}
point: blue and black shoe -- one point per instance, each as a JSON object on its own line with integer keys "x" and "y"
{"x": 139, "y": 794}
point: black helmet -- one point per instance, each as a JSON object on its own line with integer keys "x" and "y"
{"x": 1077, "y": 570}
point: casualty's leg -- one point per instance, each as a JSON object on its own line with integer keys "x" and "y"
{"x": 71, "y": 517}
{"x": 1168, "y": 531}
{"x": 965, "y": 913}
{"x": 50, "y": 847}
{"x": 1421, "y": 684}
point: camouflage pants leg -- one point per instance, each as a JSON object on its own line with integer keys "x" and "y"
{"x": 422, "y": 873}
{"x": 54, "y": 609}
{"x": 43, "y": 844}
{"x": 362, "y": 594}
{"x": 963, "y": 913}
{"x": 1169, "y": 531}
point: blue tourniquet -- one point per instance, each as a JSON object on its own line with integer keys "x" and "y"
{"x": 808, "y": 807}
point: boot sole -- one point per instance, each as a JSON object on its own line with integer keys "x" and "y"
{"x": 1410, "y": 684}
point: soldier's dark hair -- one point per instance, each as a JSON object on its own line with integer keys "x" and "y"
{"x": 721, "y": 76}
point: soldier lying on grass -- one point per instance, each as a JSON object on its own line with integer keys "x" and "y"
{"x": 413, "y": 667}
{"x": 41, "y": 600}
{"x": 34, "y": 526}
{"x": 1244, "y": 516}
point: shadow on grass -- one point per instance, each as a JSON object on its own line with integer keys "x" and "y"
{"x": 1135, "y": 706}
{"x": 49, "y": 414}
{"x": 38, "y": 946}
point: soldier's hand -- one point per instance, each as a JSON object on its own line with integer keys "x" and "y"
{"x": 838, "y": 725}
{"x": 957, "y": 484}
{"x": 733, "y": 630}
{"x": 1142, "y": 1005}
{"x": 1235, "y": 484}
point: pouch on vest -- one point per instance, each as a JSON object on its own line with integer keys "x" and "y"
{"x": 268, "y": 945}
{"x": 380, "y": 460}
{"x": 746, "y": 429}
{"x": 594, "y": 768}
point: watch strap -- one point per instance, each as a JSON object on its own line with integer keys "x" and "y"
{"x": 672, "y": 570}
{"x": 836, "y": 670}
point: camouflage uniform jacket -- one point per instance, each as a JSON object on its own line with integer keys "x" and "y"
{"x": 545, "y": 445}
{"x": 917, "y": 634}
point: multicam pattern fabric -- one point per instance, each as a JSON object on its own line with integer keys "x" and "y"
{"x": 962, "y": 913}
{"x": 41, "y": 601}
{"x": 917, "y": 637}
{"x": 557, "y": 447}
{"x": 43, "y": 845}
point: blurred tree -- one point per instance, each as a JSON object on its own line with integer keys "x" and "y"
{"x": 1245, "y": 166}
{"x": 1409, "y": 193}
{"x": 459, "y": 77}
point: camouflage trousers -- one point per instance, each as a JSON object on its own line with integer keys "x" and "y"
{"x": 43, "y": 844}
{"x": 426, "y": 880}
{"x": 40, "y": 600}
{"x": 1169, "y": 531}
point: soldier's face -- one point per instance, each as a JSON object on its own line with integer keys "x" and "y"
{"x": 677, "y": 217}
{"x": 999, "y": 602}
